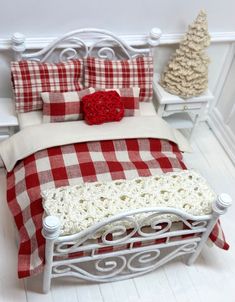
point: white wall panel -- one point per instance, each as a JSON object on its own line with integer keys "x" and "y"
{"x": 52, "y": 18}
{"x": 222, "y": 115}
{"x": 227, "y": 98}
{"x": 36, "y": 18}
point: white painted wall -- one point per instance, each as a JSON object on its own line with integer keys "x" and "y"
{"x": 50, "y": 18}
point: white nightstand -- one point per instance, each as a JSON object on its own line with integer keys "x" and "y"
{"x": 178, "y": 112}
{"x": 8, "y": 118}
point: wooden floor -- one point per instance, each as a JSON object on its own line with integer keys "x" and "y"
{"x": 211, "y": 278}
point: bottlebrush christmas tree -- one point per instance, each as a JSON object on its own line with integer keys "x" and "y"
{"x": 186, "y": 74}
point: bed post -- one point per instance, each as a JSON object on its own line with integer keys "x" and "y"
{"x": 220, "y": 206}
{"x": 154, "y": 38}
{"x": 18, "y": 45}
{"x": 51, "y": 230}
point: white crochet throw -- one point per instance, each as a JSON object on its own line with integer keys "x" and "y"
{"x": 80, "y": 206}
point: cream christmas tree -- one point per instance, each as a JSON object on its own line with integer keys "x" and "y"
{"x": 186, "y": 74}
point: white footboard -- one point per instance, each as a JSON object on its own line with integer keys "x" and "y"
{"x": 130, "y": 253}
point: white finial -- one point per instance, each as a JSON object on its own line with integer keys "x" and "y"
{"x": 51, "y": 227}
{"x": 154, "y": 36}
{"x": 223, "y": 202}
{"x": 18, "y": 44}
{"x": 18, "y": 38}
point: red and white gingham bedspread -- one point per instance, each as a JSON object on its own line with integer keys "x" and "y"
{"x": 81, "y": 162}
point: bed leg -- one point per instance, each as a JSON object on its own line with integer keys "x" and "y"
{"x": 219, "y": 207}
{"x": 51, "y": 230}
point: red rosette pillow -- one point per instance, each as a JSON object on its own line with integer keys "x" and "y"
{"x": 102, "y": 107}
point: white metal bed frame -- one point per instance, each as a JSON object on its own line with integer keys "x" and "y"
{"x": 132, "y": 261}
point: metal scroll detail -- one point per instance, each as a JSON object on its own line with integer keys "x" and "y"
{"x": 130, "y": 244}
{"x": 114, "y": 268}
{"x": 82, "y": 43}
{"x": 128, "y": 229}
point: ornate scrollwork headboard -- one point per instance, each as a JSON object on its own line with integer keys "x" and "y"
{"x": 82, "y": 43}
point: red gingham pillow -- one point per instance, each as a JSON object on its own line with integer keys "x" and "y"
{"x": 102, "y": 74}
{"x": 130, "y": 99}
{"x": 63, "y": 106}
{"x": 30, "y": 78}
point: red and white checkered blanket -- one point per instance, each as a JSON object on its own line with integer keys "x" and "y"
{"x": 81, "y": 162}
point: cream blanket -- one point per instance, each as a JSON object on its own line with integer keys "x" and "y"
{"x": 81, "y": 206}
{"x": 39, "y": 137}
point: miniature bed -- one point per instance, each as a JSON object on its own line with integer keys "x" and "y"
{"x": 110, "y": 152}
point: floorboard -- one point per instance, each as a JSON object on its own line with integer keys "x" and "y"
{"x": 211, "y": 278}
{"x": 11, "y": 288}
{"x": 154, "y": 285}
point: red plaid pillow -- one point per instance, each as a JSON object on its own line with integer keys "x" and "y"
{"x": 130, "y": 99}
{"x": 63, "y": 106}
{"x": 100, "y": 73}
{"x": 102, "y": 107}
{"x": 30, "y": 78}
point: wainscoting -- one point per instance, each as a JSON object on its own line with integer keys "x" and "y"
{"x": 222, "y": 111}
